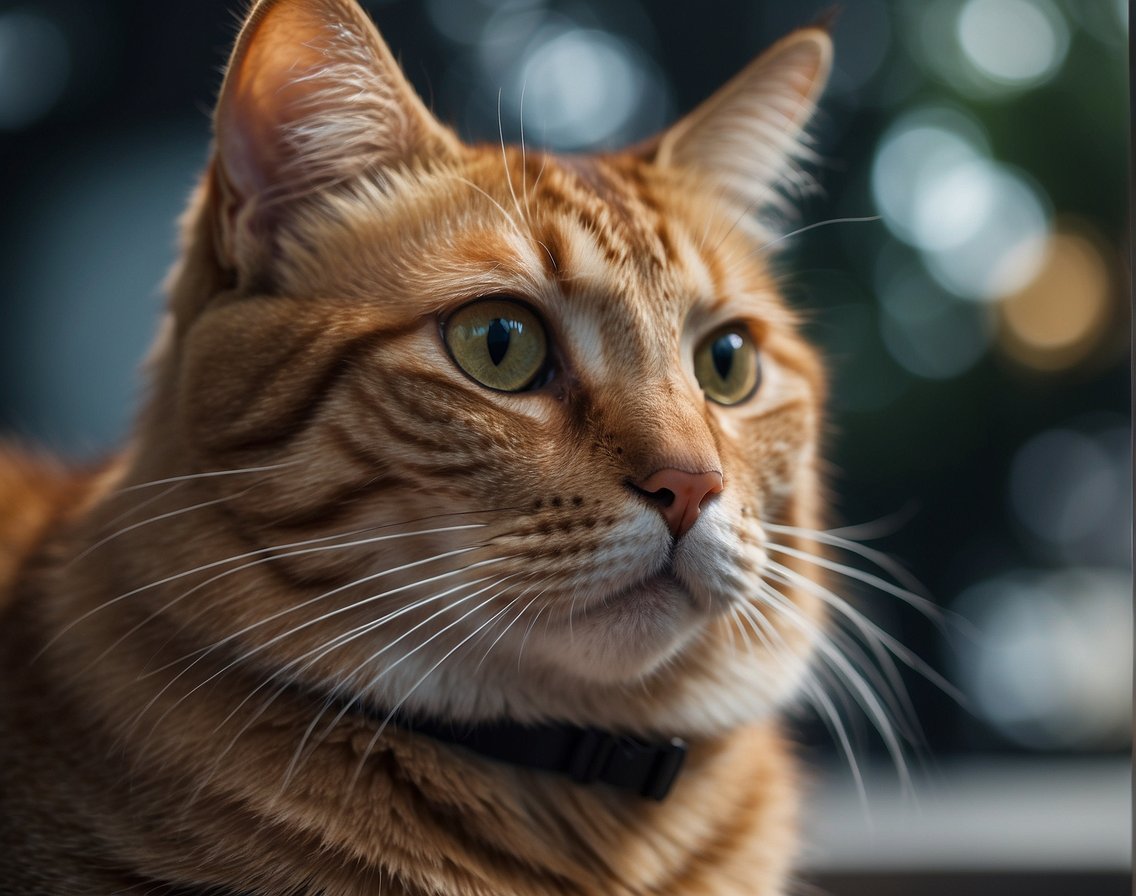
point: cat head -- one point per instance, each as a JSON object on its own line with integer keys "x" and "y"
{"x": 503, "y": 431}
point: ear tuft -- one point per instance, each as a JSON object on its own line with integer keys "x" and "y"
{"x": 744, "y": 139}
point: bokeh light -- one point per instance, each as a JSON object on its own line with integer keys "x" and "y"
{"x": 1072, "y": 490}
{"x": 928, "y": 331}
{"x": 1058, "y": 318}
{"x": 468, "y": 21}
{"x": 110, "y": 218}
{"x": 981, "y": 225}
{"x": 35, "y": 62}
{"x": 1008, "y": 222}
{"x": 584, "y": 87}
{"x": 1050, "y": 665}
{"x": 915, "y": 154}
{"x": 991, "y": 49}
{"x": 1013, "y": 42}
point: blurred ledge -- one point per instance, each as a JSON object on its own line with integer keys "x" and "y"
{"x": 971, "y": 884}
{"x": 995, "y": 815}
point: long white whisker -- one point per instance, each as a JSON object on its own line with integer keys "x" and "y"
{"x": 882, "y": 560}
{"x": 249, "y": 654}
{"x": 814, "y": 690}
{"x": 296, "y": 758}
{"x": 154, "y": 519}
{"x": 272, "y": 554}
{"x": 863, "y": 219}
{"x": 865, "y": 695}
{"x": 206, "y": 475}
{"x": 892, "y": 687}
{"x": 524, "y": 157}
{"x": 378, "y": 733}
{"x": 284, "y": 675}
{"x": 516, "y": 227}
{"x": 113, "y": 521}
{"x": 927, "y": 607}
{"x": 868, "y": 629}
{"x": 519, "y": 615}
{"x": 505, "y": 158}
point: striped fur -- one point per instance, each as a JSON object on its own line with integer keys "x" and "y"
{"x": 316, "y": 500}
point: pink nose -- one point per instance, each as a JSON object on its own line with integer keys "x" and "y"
{"x": 679, "y": 495}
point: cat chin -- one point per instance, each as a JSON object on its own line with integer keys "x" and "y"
{"x": 626, "y": 636}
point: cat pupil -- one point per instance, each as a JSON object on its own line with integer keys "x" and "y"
{"x": 497, "y": 340}
{"x": 722, "y": 353}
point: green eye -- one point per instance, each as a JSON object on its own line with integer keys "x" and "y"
{"x": 497, "y": 342}
{"x": 727, "y": 365}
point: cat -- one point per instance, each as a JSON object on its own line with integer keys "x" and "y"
{"x": 443, "y": 444}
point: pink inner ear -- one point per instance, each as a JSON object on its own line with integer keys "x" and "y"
{"x": 265, "y": 92}
{"x": 248, "y": 156}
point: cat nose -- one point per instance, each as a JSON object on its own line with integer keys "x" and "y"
{"x": 679, "y": 495}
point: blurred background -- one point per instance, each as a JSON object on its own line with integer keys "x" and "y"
{"x": 977, "y": 328}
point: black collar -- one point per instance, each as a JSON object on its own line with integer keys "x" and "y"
{"x": 585, "y": 755}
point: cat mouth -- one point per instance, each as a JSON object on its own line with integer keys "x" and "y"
{"x": 659, "y": 591}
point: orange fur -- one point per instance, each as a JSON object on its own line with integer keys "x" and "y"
{"x": 317, "y": 499}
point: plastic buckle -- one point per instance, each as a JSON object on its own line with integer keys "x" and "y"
{"x": 649, "y": 769}
{"x": 664, "y": 770}
{"x": 591, "y": 755}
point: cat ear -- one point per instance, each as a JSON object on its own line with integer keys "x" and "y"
{"x": 745, "y": 138}
{"x": 311, "y": 97}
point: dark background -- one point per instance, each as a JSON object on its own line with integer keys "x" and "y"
{"x": 978, "y": 332}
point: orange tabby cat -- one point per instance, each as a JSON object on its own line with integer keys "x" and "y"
{"x": 469, "y": 435}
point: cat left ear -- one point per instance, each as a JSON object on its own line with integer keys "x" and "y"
{"x": 745, "y": 137}
{"x": 312, "y": 96}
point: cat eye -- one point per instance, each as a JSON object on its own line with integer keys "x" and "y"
{"x": 727, "y": 365}
{"x": 499, "y": 343}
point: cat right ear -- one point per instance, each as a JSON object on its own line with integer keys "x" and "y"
{"x": 312, "y": 97}
{"x": 744, "y": 139}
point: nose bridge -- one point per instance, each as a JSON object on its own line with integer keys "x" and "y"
{"x": 660, "y": 427}
{"x": 666, "y": 450}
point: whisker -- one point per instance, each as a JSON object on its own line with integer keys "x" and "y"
{"x": 154, "y": 519}
{"x": 879, "y": 558}
{"x": 867, "y": 628}
{"x": 289, "y": 553}
{"x": 925, "y": 606}
{"x": 528, "y": 631}
{"x": 877, "y": 667}
{"x": 812, "y": 689}
{"x": 867, "y": 698}
{"x": 284, "y": 676}
{"x": 505, "y": 158}
{"x": 355, "y": 699}
{"x": 379, "y": 732}
{"x": 862, "y": 219}
{"x": 512, "y": 223}
{"x": 186, "y": 477}
{"x": 259, "y": 648}
{"x": 524, "y": 156}
{"x": 143, "y": 504}
{"x": 519, "y": 615}
{"x": 891, "y": 688}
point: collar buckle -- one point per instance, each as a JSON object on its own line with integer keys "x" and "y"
{"x": 626, "y": 762}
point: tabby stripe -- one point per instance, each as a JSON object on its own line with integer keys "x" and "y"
{"x": 724, "y": 842}
{"x": 342, "y": 503}
{"x": 306, "y": 407}
{"x": 357, "y": 450}
{"x": 393, "y": 428}
{"x": 275, "y": 566}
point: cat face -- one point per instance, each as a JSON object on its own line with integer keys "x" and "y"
{"x": 518, "y": 422}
